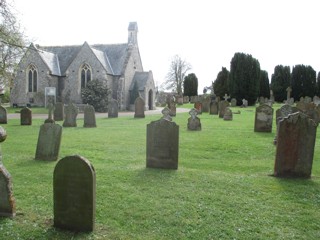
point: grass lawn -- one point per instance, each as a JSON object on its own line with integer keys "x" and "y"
{"x": 221, "y": 190}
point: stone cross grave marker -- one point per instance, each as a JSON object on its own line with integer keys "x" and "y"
{"x": 50, "y": 112}
{"x": 263, "y": 119}
{"x": 194, "y": 123}
{"x": 166, "y": 114}
{"x": 289, "y": 90}
{"x": 89, "y": 117}
{"x": 49, "y": 141}
{"x": 226, "y": 97}
{"x": 58, "y": 113}
{"x": 139, "y": 108}
{"x": 7, "y": 201}
{"x": 3, "y": 115}
{"x": 74, "y": 194}
{"x": 162, "y": 144}
{"x": 71, "y": 112}
{"x": 26, "y": 116}
{"x": 295, "y": 146}
{"x": 113, "y": 108}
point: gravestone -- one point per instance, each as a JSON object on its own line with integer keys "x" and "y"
{"x": 186, "y": 99}
{"x": 222, "y": 108}
{"x": 113, "y": 108}
{"x": 139, "y": 108}
{"x": 233, "y": 102}
{"x": 173, "y": 109}
{"x": 58, "y": 112}
{"x": 162, "y": 143}
{"x": 263, "y": 119}
{"x": 26, "y": 116}
{"x": 214, "y": 109}
{"x": 194, "y": 123}
{"x": 7, "y": 201}
{"x": 198, "y": 106}
{"x": 228, "y": 116}
{"x": 50, "y": 117}
{"x": 49, "y": 141}
{"x": 71, "y": 112}
{"x": 206, "y": 104}
{"x": 89, "y": 117}
{"x": 74, "y": 194}
{"x": 295, "y": 146}
{"x": 3, "y": 115}
{"x": 244, "y": 103}
{"x": 289, "y": 90}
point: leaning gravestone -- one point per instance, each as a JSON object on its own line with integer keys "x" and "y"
{"x": 295, "y": 146}
{"x": 89, "y": 117}
{"x": 113, "y": 108}
{"x": 74, "y": 194}
{"x": 263, "y": 119}
{"x": 163, "y": 143}
{"x": 71, "y": 112}
{"x": 26, "y": 116}
{"x": 7, "y": 201}
{"x": 194, "y": 123}
{"x": 139, "y": 108}
{"x": 58, "y": 112}
{"x": 3, "y": 115}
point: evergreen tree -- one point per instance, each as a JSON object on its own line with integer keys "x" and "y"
{"x": 220, "y": 85}
{"x": 303, "y": 81}
{"x": 244, "y": 78}
{"x": 264, "y": 84}
{"x": 190, "y": 85}
{"x": 280, "y": 81}
{"x": 318, "y": 84}
{"x": 96, "y": 94}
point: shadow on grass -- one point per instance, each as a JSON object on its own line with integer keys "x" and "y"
{"x": 155, "y": 175}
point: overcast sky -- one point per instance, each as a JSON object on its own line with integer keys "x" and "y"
{"x": 205, "y": 33}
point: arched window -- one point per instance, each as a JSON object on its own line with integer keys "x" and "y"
{"x": 32, "y": 79}
{"x": 85, "y": 75}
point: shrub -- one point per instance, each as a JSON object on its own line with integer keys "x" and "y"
{"x": 96, "y": 94}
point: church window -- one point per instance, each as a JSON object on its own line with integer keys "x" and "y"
{"x": 32, "y": 79}
{"x": 85, "y": 75}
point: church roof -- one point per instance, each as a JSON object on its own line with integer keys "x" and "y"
{"x": 141, "y": 78}
{"x": 111, "y": 56}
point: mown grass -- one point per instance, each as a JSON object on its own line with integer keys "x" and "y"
{"x": 221, "y": 190}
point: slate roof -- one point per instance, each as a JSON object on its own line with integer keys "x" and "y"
{"x": 58, "y": 58}
{"x": 141, "y": 78}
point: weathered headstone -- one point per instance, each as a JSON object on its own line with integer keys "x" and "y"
{"x": 71, "y": 112}
{"x": 194, "y": 123}
{"x": 26, "y": 116}
{"x": 206, "y": 104}
{"x": 74, "y": 194}
{"x": 263, "y": 119}
{"x": 49, "y": 141}
{"x": 289, "y": 90}
{"x": 89, "y": 120}
{"x": 233, "y": 102}
{"x": 186, "y": 99}
{"x": 198, "y": 106}
{"x": 228, "y": 116}
{"x": 50, "y": 111}
{"x": 58, "y": 112}
{"x": 3, "y": 115}
{"x": 244, "y": 103}
{"x": 7, "y": 201}
{"x": 162, "y": 144}
{"x": 295, "y": 146}
{"x": 113, "y": 108}
{"x": 139, "y": 108}
{"x": 222, "y": 108}
{"x": 214, "y": 109}
{"x": 173, "y": 109}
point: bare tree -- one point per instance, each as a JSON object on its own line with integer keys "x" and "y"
{"x": 176, "y": 74}
{"x": 11, "y": 43}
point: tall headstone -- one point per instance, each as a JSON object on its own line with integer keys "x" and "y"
{"x": 89, "y": 117}
{"x": 71, "y": 112}
{"x": 289, "y": 90}
{"x": 222, "y": 108}
{"x": 295, "y": 146}
{"x": 113, "y": 108}
{"x": 263, "y": 119}
{"x": 173, "y": 109}
{"x": 58, "y": 112}
{"x": 214, "y": 109}
{"x": 139, "y": 108}
{"x": 7, "y": 201}
{"x": 162, "y": 143}
{"x": 74, "y": 194}
{"x": 3, "y": 115}
{"x": 194, "y": 123}
{"x": 206, "y": 104}
{"x": 26, "y": 116}
{"x": 49, "y": 141}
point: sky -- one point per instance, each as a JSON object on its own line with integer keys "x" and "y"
{"x": 204, "y": 33}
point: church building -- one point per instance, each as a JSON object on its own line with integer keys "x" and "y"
{"x": 67, "y": 69}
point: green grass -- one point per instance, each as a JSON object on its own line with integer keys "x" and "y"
{"x": 221, "y": 190}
